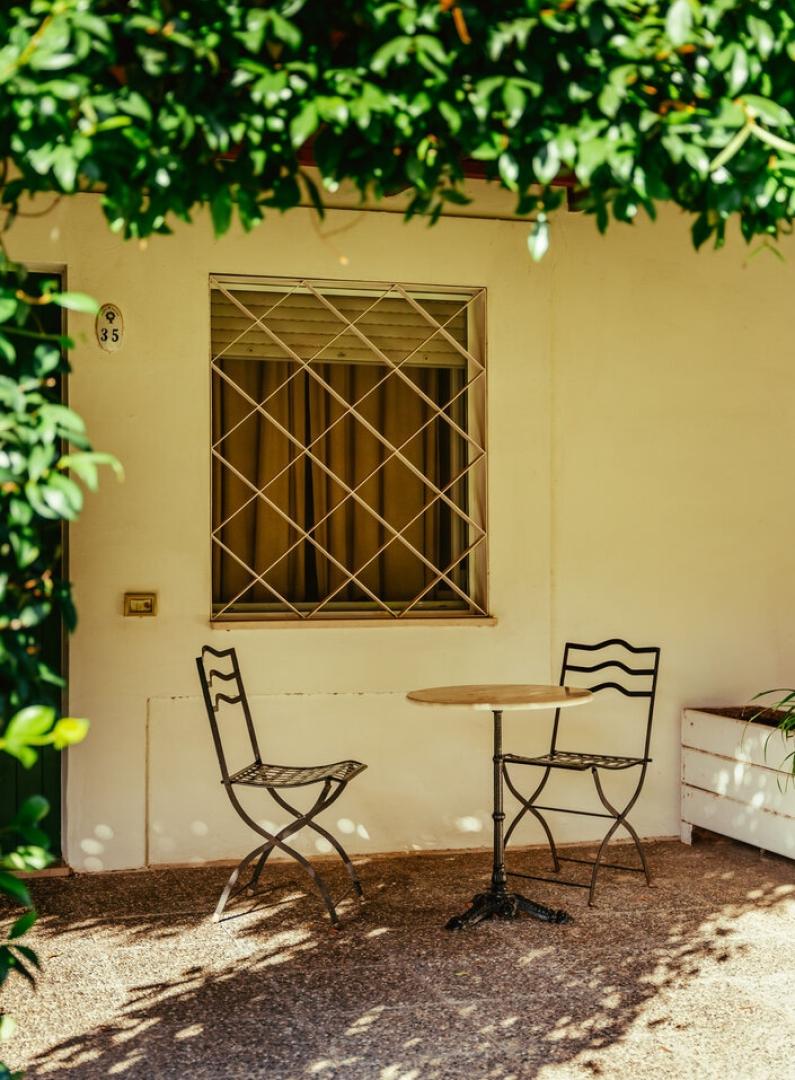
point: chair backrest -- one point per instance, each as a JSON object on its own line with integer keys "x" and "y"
{"x": 630, "y": 670}
{"x": 222, "y": 665}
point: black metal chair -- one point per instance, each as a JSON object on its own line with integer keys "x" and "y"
{"x": 273, "y": 778}
{"x": 642, "y": 683}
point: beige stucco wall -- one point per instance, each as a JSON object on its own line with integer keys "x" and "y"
{"x": 640, "y": 416}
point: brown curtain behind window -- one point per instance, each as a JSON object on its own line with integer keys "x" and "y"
{"x": 257, "y": 448}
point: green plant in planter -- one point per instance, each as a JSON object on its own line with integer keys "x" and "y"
{"x": 784, "y": 707}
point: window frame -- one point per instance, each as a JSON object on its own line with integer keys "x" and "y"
{"x": 475, "y": 472}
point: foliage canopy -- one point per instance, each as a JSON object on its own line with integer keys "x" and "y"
{"x": 638, "y": 101}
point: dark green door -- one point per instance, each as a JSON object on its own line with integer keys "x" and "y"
{"x": 43, "y": 778}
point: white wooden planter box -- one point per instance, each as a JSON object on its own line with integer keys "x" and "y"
{"x": 734, "y": 781}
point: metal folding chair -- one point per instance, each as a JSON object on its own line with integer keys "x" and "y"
{"x": 637, "y": 682}
{"x": 274, "y": 779}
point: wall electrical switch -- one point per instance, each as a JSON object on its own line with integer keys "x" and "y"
{"x": 140, "y": 604}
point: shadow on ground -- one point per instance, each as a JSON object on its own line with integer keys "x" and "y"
{"x": 668, "y": 981}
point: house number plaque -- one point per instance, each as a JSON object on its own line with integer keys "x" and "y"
{"x": 110, "y": 328}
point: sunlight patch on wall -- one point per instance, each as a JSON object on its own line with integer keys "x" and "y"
{"x": 469, "y": 824}
{"x": 345, "y": 825}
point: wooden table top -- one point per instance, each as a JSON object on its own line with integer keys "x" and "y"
{"x": 502, "y": 696}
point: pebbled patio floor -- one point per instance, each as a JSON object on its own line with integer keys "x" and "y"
{"x": 692, "y": 978}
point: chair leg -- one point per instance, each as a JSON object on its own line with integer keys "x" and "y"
{"x": 639, "y": 846}
{"x": 598, "y": 861}
{"x": 357, "y": 885}
{"x": 527, "y": 806}
{"x": 620, "y": 817}
{"x": 222, "y": 902}
{"x": 300, "y": 820}
{"x": 277, "y": 841}
{"x": 267, "y": 849}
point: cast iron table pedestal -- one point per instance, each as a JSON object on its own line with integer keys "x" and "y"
{"x": 497, "y": 901}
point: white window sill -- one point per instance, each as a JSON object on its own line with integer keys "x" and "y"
{"x": 337, "y": 623}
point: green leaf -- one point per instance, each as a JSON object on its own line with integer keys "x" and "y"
{"x": 24, "y": 549}
{"x": 697, "y": 158}
{"x": 36, "y": 499}
{"x": 538, "y": 240}
{"x": 65, "y": 167}
{"x": 32, "y": 811}
{"x": 679, "y": 21}
{"x": 28, "y": 856}
{"x": 84, "y": 465}
{"x": 86, "y": 470}
{"x": 508, "y": 168}
{"x": 7, "y": 350}
{"x": 21, "y": 926}
{"x": 48, "y": 357}
{"x": 63, "y": 496}
{"x": 68, "y": 731}
{"x": 610, "y": 100}
{"x": 395, "y": 51}
{"x": 305, "y": 124}
{"x": 453, "y": 195}
{"x": 738, "y": 73}
{"x": 701, "y": 230}
{"x": 44, "y": 60}
{"x": 769, "y": 111}
{"x": 515, "y": 100}
{"x": 40, "y": 461}
{"x": 451, "y": 115}
{"x": 7, "y": 1028}
{"x": 29, "y": 723}
{"x": 221, "y": 211}
{"x": 284, "y": 30}
{"x": 14, "y": 888}
{"x": 546, "y": 163}
{"x": 763, "y": 35}
{"x": 76, "y": 301}
{"x": 487, "y": 151}
{"x": 591, "y": 155}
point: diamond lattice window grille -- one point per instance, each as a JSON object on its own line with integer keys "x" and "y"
{"x": 349, "y": 450}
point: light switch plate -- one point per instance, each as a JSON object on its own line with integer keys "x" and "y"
{"x": 140, "y": 605}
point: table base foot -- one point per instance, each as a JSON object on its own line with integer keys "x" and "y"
{"x": 504, "y": 905}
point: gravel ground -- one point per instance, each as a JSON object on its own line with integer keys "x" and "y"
{"x": 692, "y": 978}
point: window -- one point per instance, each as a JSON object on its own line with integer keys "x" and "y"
{"x": 348, "y": 450}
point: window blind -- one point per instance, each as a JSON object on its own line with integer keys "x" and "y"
{"x": 310, "y": 329}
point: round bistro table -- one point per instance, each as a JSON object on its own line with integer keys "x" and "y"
{"x": 496, "y": 699}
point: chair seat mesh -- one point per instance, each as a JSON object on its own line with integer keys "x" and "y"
{"x": 569, "y": 759}
{"x": 296, "y": 775}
